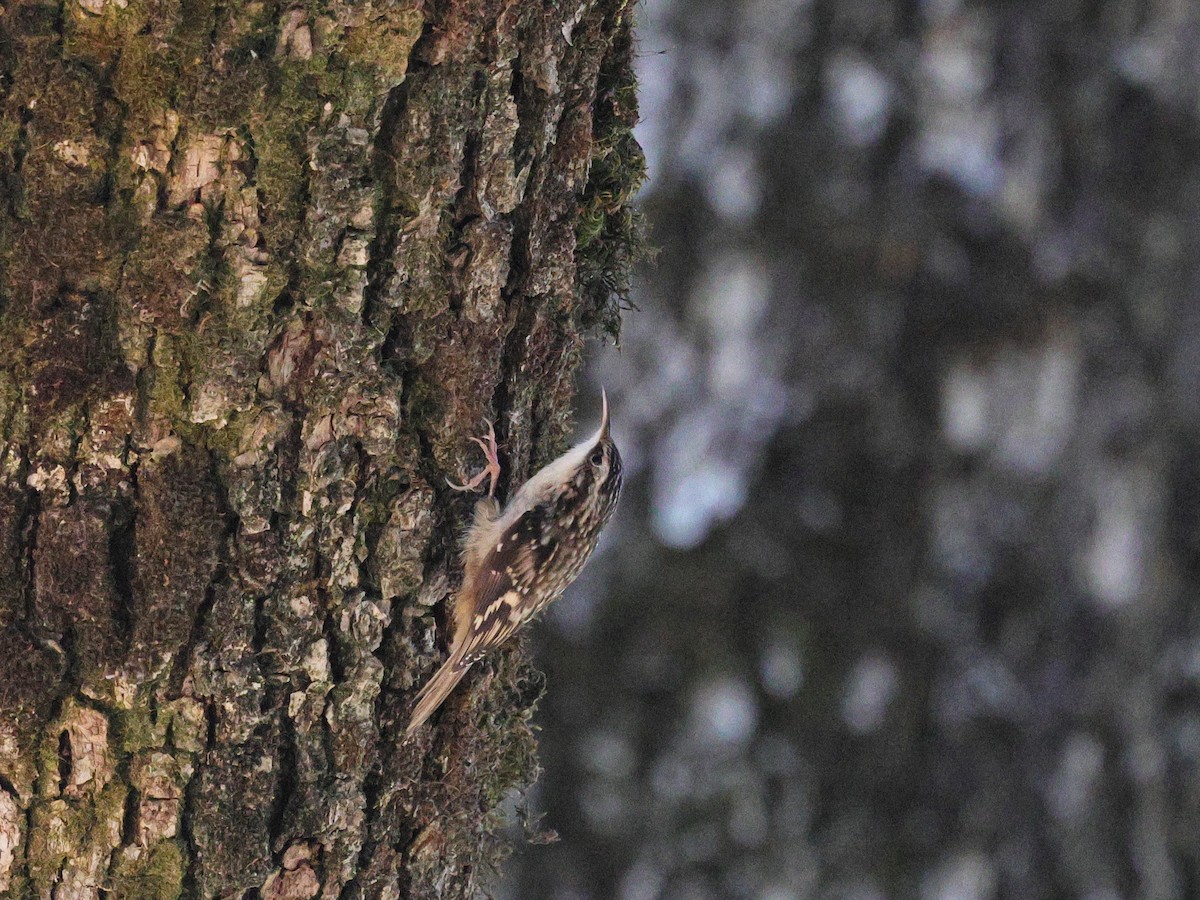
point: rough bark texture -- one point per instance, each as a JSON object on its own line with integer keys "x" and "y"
{"x": 264, "y": 268}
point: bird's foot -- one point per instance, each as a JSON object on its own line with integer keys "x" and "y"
{"x": 490, "y": 471}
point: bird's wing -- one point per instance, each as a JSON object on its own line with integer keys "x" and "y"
{"x": 504, "y": 593}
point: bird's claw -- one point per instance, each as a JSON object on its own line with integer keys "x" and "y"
{"x": 490, "y": 471}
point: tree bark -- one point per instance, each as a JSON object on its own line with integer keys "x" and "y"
{"x": 264, "y": 268}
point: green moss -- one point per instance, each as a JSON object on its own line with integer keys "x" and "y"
{"x": 98, "y": 39}
{"x": 10, "y": 132}
{"x": 191, "y": 36}
{"x": 385, "y": 41}
{"x": 47, "y": 765}
{"x": 360, "y": 90}
{"x": 175, "y": 357}
{"x": 609, "y": 233}
{"x": 244, "y": 41}
{"x": 510, "y": 747}
{"x": 18, "y": 886}
{"x": 133, "y": 730}
{"x": 515, "y": 765}
{"x": 144, "y": 78}
{"x": 279, "y": 136}
{"x": 425, "y": 401}
{"x": 63, "y": 832}
{"x": 166, "y": 399}
{"x": 10, "y": 406}
{"x": 188, "y": 727}
{"x": 156, "y": 876}
{"x": 109, "y": 807}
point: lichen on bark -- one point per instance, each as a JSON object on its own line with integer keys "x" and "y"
{"x": 263, "y": 268}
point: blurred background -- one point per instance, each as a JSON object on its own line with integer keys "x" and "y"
{"x": 901, "y": 600}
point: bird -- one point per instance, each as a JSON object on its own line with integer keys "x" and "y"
{"x": 519, "y": 558}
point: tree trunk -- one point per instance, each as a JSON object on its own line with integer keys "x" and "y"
{"x": 264, "y": 268}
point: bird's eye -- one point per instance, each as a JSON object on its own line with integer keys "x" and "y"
{"x": 597, "y": 457}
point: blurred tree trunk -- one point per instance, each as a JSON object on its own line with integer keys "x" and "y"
{"x": 264, "y": 268}
{"x": 919, "y": 492}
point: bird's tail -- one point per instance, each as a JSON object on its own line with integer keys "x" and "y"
{"x": 437, "y": 690}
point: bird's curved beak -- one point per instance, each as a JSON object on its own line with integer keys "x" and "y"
{"x": 603, "y": 414}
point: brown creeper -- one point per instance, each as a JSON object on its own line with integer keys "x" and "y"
{"x": 519, "y": 559}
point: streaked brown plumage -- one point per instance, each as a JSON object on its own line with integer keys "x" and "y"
{"x": 519, "y": 559}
